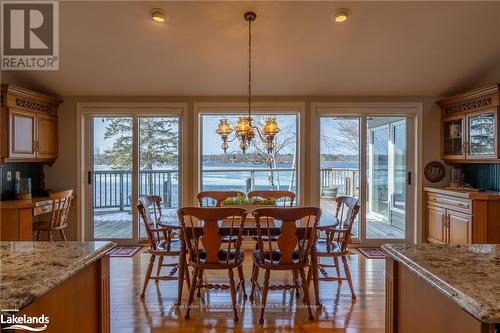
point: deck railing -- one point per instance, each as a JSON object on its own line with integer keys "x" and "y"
{"x": 113, "y": 189}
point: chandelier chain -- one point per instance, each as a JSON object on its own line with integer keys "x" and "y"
{"x": 249, "y": 66}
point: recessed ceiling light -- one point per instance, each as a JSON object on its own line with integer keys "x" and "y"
{"x": 159, "y": 15}
{"x": 341, "y": 15}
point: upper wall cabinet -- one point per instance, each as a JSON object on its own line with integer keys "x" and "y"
{"x": 470, "y": 126}
{"x": 28, "y": 124}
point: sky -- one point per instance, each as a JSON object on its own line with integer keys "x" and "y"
{"x": 212, "y": 142}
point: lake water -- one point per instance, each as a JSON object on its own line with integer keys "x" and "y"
{"x": 114, "y": 190}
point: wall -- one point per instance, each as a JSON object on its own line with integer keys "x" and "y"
{"x": 482, "y": 176}
{"x": 27, "y": 170}
{"x": 63, "y": 174}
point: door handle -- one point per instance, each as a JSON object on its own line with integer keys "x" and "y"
{"x": 89, "y": 177}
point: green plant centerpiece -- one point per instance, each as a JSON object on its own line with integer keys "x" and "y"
{"x": 250, "y": 204}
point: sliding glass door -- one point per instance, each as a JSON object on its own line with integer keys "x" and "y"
{"x": 381, "y": 144}
{"x": 339, "y": 162}
{"x": 386, "y": 178}
{"x": 129, "y": 156}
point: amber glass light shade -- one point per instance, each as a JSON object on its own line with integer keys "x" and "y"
{"x": 271, "y": 127}
{"x": 224, "y": 128}
{"x": 243, "y": 126}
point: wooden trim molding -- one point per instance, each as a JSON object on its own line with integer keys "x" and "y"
{"x": 474, "y": 100}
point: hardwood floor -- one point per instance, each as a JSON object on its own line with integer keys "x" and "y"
{"x": 157, "y": 313}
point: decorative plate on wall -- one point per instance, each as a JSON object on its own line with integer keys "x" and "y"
{"x": 434, "y": 171}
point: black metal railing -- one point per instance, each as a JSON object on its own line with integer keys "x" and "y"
{"x": 113, "y": 189}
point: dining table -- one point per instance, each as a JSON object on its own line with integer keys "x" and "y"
{"x": 327, "y": 221}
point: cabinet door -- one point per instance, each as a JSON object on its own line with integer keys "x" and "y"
{"x": 4, "y": 133}
{"x": 435, "y": 225}
{"x": 459, "y": 228}
{"x": 482, "y": 135}
{"x": 453, "y": 137}
{"x": 22, "y": 134}
{"x": 47, "y": 136}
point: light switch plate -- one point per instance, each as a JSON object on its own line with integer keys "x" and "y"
{"x": 18, "y": 175}
{"x": 9, "y": 176}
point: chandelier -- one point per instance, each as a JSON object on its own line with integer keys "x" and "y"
{"x": 244, "y": 128}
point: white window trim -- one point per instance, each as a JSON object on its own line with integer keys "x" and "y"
{"x": 84, "y": 109}
{"x": 297, "y": 108}
{"x": 412, "y": 109}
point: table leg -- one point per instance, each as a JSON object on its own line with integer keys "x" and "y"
{"x": 314, "y": 267}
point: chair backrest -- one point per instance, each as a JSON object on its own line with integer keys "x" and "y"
{"x": 215, "y": 198}
{"x": 295, "y": 239}
{"x": 346, "y": 212}
{"x": 203, "y": 237}
{"x": 61, "y": 203}
{"x": 150, "y": 211}
{"x": 285, "y": 197}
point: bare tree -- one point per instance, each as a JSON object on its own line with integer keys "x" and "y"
{"x": 347, "y": 137}
{"x": 285, "y": 139}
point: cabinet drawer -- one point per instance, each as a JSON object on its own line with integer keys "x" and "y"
{"x": 450, "y": 202}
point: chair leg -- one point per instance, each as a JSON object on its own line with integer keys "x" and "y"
{"x": 296, "y": 282}
{"x": 50, "y": 236}
{"x": 191, "y": 291}
{"x": 148, "y": 275}
{"x": 187, "y": 277}
{"x": 264, "y": 296}
{"x": 255, "y": 276}
{"x": 242, "y": 282}
{"x": 200, "y": 282}
{"x": 337, "y": 267}
{"x": 38, "y": 235}
{"x": 348, "y": 276}
{"x": 63, "y": 235}
{"x": 315, "y": 278}
{"x": 158, "y": 269}
{"x": 233, "y": 294}
{"x": 306, "y": 293}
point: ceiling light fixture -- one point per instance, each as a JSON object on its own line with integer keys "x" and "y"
{"x": 159, "y": 15}
{"x": 341, "y": 15}
{"x": 244, "y": 128}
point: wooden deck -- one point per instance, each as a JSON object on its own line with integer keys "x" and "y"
{"x": 117, "y": 224}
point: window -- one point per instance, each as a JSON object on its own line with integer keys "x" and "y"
{"x": 256, "y": 169}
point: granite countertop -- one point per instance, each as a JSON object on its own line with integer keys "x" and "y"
{"x": 30, "y": 269}
{"x": 469, "y": 275}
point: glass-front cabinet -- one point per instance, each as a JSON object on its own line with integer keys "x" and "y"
{"x": 482, "y": 135}
{"x": 453, "y": 137}
{"x": 470, "y": 127}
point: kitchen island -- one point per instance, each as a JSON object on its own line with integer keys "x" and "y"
{"x": 442, "y": 288}
{"x": 68, "y": 282}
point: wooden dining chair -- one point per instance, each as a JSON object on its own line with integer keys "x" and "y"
{"x": 336, "y": 244}
{"x": 286, "y": 198}
{"x": 216, "y": 198}
{"x": 61, "y": 204}
{"x": 206, "y": 250}
{"x": 291, "y": 251}
{"x": 161, "y": 243}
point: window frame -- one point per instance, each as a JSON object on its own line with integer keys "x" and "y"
{"x": 238, "y": 108}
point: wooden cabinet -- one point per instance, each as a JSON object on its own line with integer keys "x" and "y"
{"x": 28, "y": 123}
{"x": 46, "y": 136}
{"x": 462, "y": 217}
{"x": 470, "y": 126}
{"x": 22, "y": 134}
{"x": 436, "y": 225}
{"x": 458, "y": 227}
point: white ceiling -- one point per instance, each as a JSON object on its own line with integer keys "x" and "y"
{"x": 387, "y": 48}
